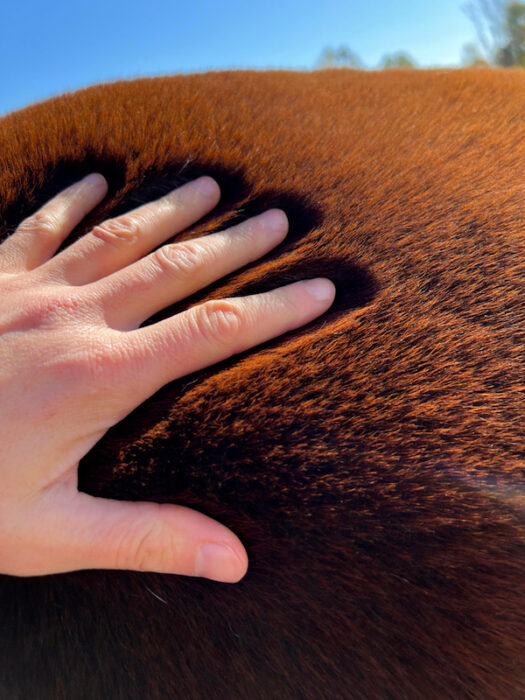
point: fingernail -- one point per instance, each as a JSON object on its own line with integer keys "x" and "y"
{"x": 95, "y": 179}
{"x": 218, "y": 562}
{"x": 321, "y": 289}
{"x": 206, "y": 186}
{"x": 275, "y": 219}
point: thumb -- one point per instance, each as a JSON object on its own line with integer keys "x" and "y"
{"x": 78, "y": 531}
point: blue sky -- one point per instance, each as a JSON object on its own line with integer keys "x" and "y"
{"x": 47, "y": 48}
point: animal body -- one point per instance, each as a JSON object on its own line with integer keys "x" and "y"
{"x": 373, "y": 461}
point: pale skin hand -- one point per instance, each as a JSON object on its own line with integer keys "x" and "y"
{"x": 73, "y": 362}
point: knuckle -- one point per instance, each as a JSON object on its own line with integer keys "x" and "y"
{"x": 46, "y": 310}
{"x": 41, "y": 221}
{"x": 75, "y": 343}
{"x": 148, "y": 547}
{"x": 101, "y": 360}
{"x": 180, "y": 260}
{"x": 92, "y": 371}
{"x": 122, "y": 231}
{"x": 219, "y": 321}
{"x": 104, "y": 359}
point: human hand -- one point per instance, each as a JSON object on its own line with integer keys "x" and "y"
{"x": 73, "y": 362}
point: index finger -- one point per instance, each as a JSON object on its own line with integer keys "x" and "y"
{"x": 213, "y": 331}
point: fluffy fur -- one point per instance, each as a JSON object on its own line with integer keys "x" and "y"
{"x": 373, "y": 461}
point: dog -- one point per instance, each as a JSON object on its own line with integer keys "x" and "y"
{"x": 373, "y": 461}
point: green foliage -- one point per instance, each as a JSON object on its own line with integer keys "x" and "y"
{"x": 500, "y": 25}
{"x": 343, "y": 57}
{"x": 471, "y": 56}
{"x": 400, "y": 59}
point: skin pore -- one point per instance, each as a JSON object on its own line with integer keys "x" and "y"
{"x": 74, "y": 361}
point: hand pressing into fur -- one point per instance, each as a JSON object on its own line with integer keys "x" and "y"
{"x": 74, "y": 361}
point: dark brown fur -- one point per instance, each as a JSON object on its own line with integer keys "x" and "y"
{"x": 372, "y": 462}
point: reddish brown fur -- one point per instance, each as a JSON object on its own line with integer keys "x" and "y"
{"x": 372, "y": 462}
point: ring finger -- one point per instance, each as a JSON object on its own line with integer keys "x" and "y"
{"x": 118, "y": 242}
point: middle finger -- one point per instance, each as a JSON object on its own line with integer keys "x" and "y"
{"x": 176, "y": 270}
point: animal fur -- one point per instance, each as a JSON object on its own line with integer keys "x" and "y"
{"x": 373, "y": 461}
